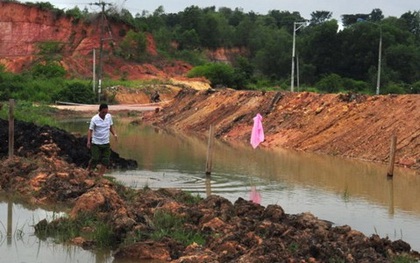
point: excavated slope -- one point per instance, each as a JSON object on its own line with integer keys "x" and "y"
{"x": 348, "y": 125}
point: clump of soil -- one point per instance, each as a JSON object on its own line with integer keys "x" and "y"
{"x": 46, "y": 171}
{"x": 30, "y": 140}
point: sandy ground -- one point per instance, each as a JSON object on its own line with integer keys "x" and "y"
{"x": 119, "y": 107}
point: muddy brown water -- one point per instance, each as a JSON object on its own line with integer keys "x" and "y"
{"x": 343, "y": 191}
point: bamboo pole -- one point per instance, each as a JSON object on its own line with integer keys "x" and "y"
{"x": 209, "y": 162}
{"x": 9, "y": 230}
{"x": 392, "y": 155}
{"x": 11, "y": 127}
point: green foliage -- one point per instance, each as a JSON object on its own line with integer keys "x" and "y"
{"x": 42, "y": 5}
{"x": 76, "y": 14}
{"x": 188, "y": 198}
{"x": 403, "y": 259}
{"x": 393, "y": 88}
{"x": 49, "y": 51}
{"x": 48, "y": 70}
{"x": 189, "y": 39}
{"x": 319, "y": 17}
{"x": 26, "y": 111}
{"x": 76, "y": 92}
{"x": 355, "y": 85}
{"x": 133, "y": 46}
{"x": 170, "y": 225}
{"x": 86, "y": 225}
{"x": 219, "y": 74}
{"x": 264, "y": 40}
{"x": 330, "y": 83}
{"x": 193, "y": 57}
{"x": 415, "y": 88}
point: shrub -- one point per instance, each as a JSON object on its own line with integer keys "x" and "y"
{"x": 393, "y": 88}
{"x": 219, "y": 74}
{"x": 355, "y": 85}
{"x": 76, "y": 92}
{"x": 330, "y": 83}
{"x": 48, "y": 70}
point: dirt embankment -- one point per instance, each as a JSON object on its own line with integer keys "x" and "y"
{"x": 349, "y": 125}
{"x": 44, "y": 172}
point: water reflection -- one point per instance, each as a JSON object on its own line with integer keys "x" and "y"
{"x": 19, "y": 244}
{"x": 343, "y": 191}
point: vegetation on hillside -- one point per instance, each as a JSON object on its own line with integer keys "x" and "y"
{"x": 328, "y": 58}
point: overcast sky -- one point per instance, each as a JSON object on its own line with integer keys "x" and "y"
{"x": 305, "y": 7}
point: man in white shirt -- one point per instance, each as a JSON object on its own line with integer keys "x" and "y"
{"x": 98, "y": 139}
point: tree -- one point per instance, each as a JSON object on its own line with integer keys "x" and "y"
{"x": 321, "y": 47}
{"x": 376, "y": 15}
{"x": 133, "y": 46}
{"x": 406, "y": 61}
{"x": 273, "y": 57}
{"x": 349, "y": 20}
{"x": 319, "y": 17}
{"x": 411, "y": 21}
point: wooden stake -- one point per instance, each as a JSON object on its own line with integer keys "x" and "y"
{"x": 392, "y": 155}
{"x": 11, "y": 127}
{"x": 209, "y": 162}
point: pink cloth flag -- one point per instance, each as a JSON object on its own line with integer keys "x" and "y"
{"x": 254, "y": 195}
{"x": 257, "y": 135}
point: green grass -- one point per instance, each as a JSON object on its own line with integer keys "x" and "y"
{"x": 169, "y": 225}
{"x": 86, "y": 225}
{"x": 404, "y": 259}
{"x": 26, "y": 111}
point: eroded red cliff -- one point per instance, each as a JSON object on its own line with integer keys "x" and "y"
{"x": 23, "y": 27}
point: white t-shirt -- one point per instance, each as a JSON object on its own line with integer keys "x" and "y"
{"x": 100, "y": 128}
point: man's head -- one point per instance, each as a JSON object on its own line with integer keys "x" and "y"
{"x": 103, "y": 110}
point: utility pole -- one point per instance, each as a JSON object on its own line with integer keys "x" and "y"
{"x": 102, "y": 4}
{"x": 378, "y": 77}
{"x": 94, "y": 72}
{"x": 299, "y": 24}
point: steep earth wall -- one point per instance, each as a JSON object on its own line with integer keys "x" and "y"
{"x": 348, "y": 125}
{"x": 23, "y": 27}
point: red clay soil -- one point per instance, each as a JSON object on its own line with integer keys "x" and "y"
{"x": 24, "y": 26}
{"x": 348, "y": 125}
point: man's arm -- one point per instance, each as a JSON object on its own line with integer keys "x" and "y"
{"x": 111, "y": 129}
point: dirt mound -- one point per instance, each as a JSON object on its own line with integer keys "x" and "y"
{"x": 348, "y": 125}
{"x": 30, "y": 140}
{"x": 45, "y": 171}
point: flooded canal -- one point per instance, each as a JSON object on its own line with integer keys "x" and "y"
{"x": 345, "y": 192}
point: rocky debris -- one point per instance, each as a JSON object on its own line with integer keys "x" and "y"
{"x": 239, "y": 232}
{"x": 230, "y": 232}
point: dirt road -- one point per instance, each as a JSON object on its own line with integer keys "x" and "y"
{"x": 118, "y": 107}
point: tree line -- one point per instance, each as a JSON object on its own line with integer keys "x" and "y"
{"x": 331, "y": 56}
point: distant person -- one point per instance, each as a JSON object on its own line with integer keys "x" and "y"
{"x": 155, "y": 96}
{"x": 98, "y": 139}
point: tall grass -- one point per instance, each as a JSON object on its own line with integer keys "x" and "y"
{"x": 86, "y": 225}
